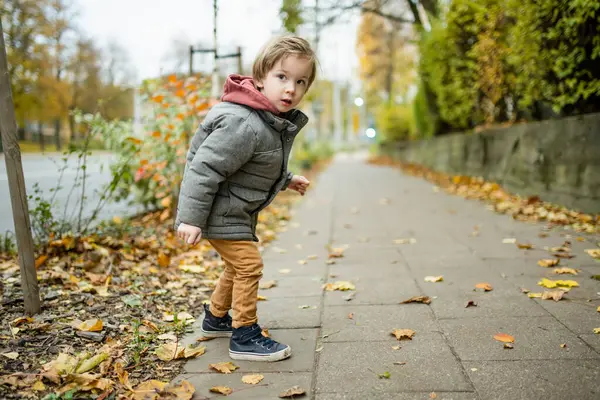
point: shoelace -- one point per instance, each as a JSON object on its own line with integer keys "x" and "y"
{"x": 264, "y": 342}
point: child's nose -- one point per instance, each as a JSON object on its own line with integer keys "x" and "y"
{"x": 291, "y": 88}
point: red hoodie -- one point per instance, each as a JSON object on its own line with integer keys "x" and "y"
{"x": 241, "y": 90}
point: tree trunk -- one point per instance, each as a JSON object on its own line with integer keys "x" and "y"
{"x": 57, "y": 134}
{"x": 41, "y": 136}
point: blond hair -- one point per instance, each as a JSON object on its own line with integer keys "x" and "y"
{"x": 280, "y": 48}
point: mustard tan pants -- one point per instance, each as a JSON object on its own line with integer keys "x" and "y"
{"x": 237, "y": 287}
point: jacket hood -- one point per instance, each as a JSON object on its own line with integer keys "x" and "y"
{"x": 241, "y": 90}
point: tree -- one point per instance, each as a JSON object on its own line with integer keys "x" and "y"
{"x": 291, "y": 15}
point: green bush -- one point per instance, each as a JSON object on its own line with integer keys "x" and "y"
{"x": 307, "y": 153}
{"x": 556, "y": 51}
{"x": 395, "y": 123}
{"x": 426, "y": 122}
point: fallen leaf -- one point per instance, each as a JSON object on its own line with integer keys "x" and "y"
{"x": 470, "y": 303}
{"x": 182, "y": 316}
{"x": 485, "y": 286}
{"x": 564, "y": 270}
{"x": 222, "y": 390}
{"x": 563, "y": 345}
{"x": 313, "y": 257}
{"x": 252, "y": 379}
{"x": 508, "y": 346}
{"x": 597, "y": 330}
{"x": 509, "y": 241}
{"x": 265, "y": 332}
{"x": 598, "y": 309}
{"x": 268, "y": 284}
{"x": 534, "y": 295}
{"x": 339, "y": 285}
{"x": 434, "y": 278}
{"x": 336, "y": 252}
{"x": 191, "y": 351}
{"x": 555, "y": 295}
{"x": 167, "y": 336}
{"x": 302, "y": 262}
{"x": 91, "y": 363}
{"x": 548, "y": 262}
{"x": 396, "y": 347}
{"x": 149, "y": 390}
{"x": 224, "y": 367}
{"x": 595, "y": 277}
{"x": 195, "y": 269}
{"x": 39, "y": 386}
{"x": 432, "y": 395}
{"x": 594, "y": 253}
{"x": 41, "y": 260}
{"x": 261, "y": 298}
{"x": 13, "y": 355}
{"x": 351, "y": 315}
{"x": 349, "y": 296}
{"x": 399, "y": 362}
{"x": 304, "y": 306}
{"x": 402, "y": 334}
{"x": 91, "y": 325}
{"x": 525, "y": 246}
{"x": 285, "y": 271}
{"x": 417, "y": 299}
{"x": 504, "y": 337}
{"x": 405, "y": 241}
{"x": 550, "y": 284}
{"x": 291, "y": 392}
{"x": 385, "y": 375}
{"x": 204, "y": 339}
{"x": 169, "y": 351}
{"x": 163, "y": 260}
{"x": 184, "y": 391}
{"x": 21, "y": 320}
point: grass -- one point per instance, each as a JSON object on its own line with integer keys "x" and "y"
{"x": 34, "y": 147}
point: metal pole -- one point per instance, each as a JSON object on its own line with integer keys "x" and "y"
{"x": 215, "y": 74}
{"x": 191, "y": 60}
{"x": 16, "y": 185}
{"x": 240, "y": 65}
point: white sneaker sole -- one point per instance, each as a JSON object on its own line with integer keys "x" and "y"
{"x": 280, "y": 355}
{"x": 215, "y": 334}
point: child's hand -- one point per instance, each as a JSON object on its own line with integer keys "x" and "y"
{"x": 299, "y": 184}
{"x": 189, "y": 233}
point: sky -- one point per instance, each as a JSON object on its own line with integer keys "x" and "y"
{"x": 147, "y": 29}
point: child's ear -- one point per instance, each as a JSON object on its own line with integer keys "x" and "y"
{"x": 259, "y": 85}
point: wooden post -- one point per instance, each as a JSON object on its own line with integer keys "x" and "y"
{"x": 239, "y": 59}
{"x": 16, "y": 184}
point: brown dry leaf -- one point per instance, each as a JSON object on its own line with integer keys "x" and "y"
{"x": 13, "y": 355}
{"x": 564, "y": 270}
{"x": 222, "y": 390}
{"x": 261, "y": 298}
{"x": 402, "y": 334}
{"x": 597, "y": 331}
{"x": 504, "y": 337}
{"x": 169, "y": 351}
{"x": 594, "y": 253}
{"x": 434, "y": 278}
{"x": 91, "y": 325}
{"x": 336, "y": 252}
{"x": 268, "y": 284}
{"x": 149, "y": 390}
{"x": 396, "y": 347}
{"x": 292, "y": 392}
{"x": 417, "y": 299}
{"x": 564, "y": 255}
{"x": 555, "y": 295}
{"x": 339, "y": 285}
{"x": 204, "y": 339}
{"x": 265, "y": 332}
{"x": 21, "y": 320}
{"x": 191, "y": 351}
{"x": 509, "y": 346}
{"x": 122, "y": 375}
{"x": 548, "y": 262}
{"x": 163, "y": 260}
{"x": 183, "y": 391}
{"x": 563, "y": 345}
{"x": 485, "y": 286}
{"x": 470, "y": 303}
{"x": 351, "y": 315}
{"x": 224, "y": 367}
{"x": 253, "y": 379}
{"x": 534, "y": 295}
{"x": 432, "y": 395}
{"x": 525, "y": 246}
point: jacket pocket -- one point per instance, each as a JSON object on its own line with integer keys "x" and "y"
{"x": 242, "y": 203}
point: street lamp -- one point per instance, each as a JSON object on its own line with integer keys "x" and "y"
{"x": 358, "y": 102}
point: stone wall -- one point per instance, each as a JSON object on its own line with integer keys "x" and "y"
{"x": 559, "y": 160}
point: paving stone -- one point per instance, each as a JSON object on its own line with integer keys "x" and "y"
{"x": 294, "y": 286}
{"x": 544, "y": 379}
{"x": 592, "y": 339}
{"x": 353, "y": 366}
{"x": 269, "y": 388}
{"x": 286, "y": 312}
{"x": 373, "y": 323}
{"x": 398, "y": 396}
{"x": 375, "y": 291}
{"x": 302, "y": 342}
{"x": 536, "y": 338}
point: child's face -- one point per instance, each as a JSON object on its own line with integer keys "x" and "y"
{"x": 287, "y": 82}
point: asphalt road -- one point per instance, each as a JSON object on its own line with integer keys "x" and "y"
{"x": 45, "y": 171}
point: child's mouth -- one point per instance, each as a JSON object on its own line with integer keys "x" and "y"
{"x": 286, "y": 102}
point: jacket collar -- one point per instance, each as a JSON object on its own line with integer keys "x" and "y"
{"x": 292, "y": 121}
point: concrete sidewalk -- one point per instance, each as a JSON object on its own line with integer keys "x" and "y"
{"x": 453, "y": 353}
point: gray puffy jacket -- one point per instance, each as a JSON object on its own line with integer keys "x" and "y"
{"x": 236, "y": 165}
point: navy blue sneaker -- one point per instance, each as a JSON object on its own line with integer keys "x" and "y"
{"x": 214, "y": 327}
{"x": 248, "y": 343}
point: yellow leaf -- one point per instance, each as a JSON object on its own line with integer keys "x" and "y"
{"x": 221, "y": 389}
{"x": 195, "y": 269}
{"x": 149, "y": 390}
{"x": 13, "y": 355}
{"x": 163, "y": 260}
{"x": 564, "y": 270}
{"x": 169, "y": 351}
{"x": 284, "y": 271}
{"x": 183, "y": 391}
{"x": 252, "y": 379}
{"x": 559, "y": 283}
{"x": 261, "y": 298}
{"x": 405, "y": 241}
{"x": 41, "y": 260}
{"x": 597, "y": 330}
{"x": 525, "y": 246}
{"x": 598, "y": 309}
{"x": 91, "y": 325}
{"x": 485, "y": 286}
{"x": 265, "y": 332}
{"x": 292, "y": 392}
{"x": 91, "y": 363}
{"x": 594, "y": 253}
{"x": 402, "y": 334}
{"x": 503, "y": 337}
{"x": 417, "y": 299}
{"x": 548, "y": 262}
{"x": 336, "y": 252}
{"x": 224, "y": 367}
{"x": 434, "y": 278}
{"x": 534, "y": 295}
{"x": 39, "y": 386}
{"x": 117, "y": 220}
{"x": 21, "y": 320}
{"x": 191, "y": 351}
{"x": 340, "y": 285}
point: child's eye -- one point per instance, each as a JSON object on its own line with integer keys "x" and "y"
{"x": 281, "y": 76}
{"x": 302, "y": 82}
